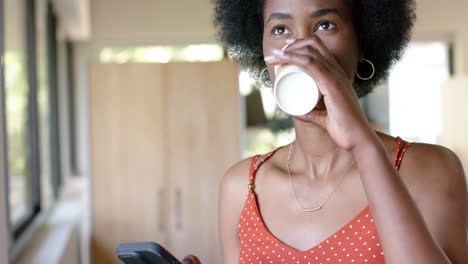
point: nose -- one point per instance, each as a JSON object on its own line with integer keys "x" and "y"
{"x": 304, "y": 34}
{"x": 304, "y": 31}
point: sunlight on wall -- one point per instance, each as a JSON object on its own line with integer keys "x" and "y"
{"x": 162, "y": 54}
{"x": 415, "y": 92}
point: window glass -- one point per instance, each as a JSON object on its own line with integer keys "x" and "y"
{"x": 16, "y": 103}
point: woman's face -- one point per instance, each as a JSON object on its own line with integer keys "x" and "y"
{"x": 329, "y": 20}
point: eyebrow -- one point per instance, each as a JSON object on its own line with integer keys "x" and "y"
{"x": 314, "y": 14}
{"x": 323, "y": 12}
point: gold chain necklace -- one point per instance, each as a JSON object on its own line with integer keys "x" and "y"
{"x": 294, "y": 190}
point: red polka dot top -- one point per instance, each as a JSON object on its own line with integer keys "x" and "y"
{"x": 355, "y": 242}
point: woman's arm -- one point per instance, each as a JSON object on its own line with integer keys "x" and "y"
{"x": 405, "y": 236}
{"x": 232, "y": 195}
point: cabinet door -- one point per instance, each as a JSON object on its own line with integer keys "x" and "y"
{"x": 129, "y": 156}
{"x": 162, "y": 137}
{"x": 204, "y": 140}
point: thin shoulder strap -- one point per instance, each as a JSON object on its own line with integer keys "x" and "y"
{"x": 401, "y": 150}
{"x": 397, "y": 154}
{"x": 254, "y": 167}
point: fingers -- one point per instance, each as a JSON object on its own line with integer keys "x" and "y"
{"x": 305, "y": 50}
{"x": 313, "y": 63}
{"x": 317, "y": 44}
{"x": 191, "y": 259}
{"x": 314, "y": 53}
{"x": 304, "y": 57}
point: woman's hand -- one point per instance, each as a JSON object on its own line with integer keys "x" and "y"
{"x": 191, "y": 259}
{"x": 343, "y": 118}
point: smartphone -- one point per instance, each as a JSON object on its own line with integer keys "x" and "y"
{"x": 145, "y": 253}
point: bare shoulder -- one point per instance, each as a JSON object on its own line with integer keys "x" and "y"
{"x": 435, "y": 178}
{"x": 435, "y": 163}
{"x": 234, "y": 189}
{"x": 430, "y": 167}
{"x": 390, "y": 143}
{"x": 236, "y": 178}
{"x": 232, "y": 194}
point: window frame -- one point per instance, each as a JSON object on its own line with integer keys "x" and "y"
{"x": 52, "y": 68}
{"x": 17, "y": 235}
{"x": 71, "y": 106}
{"x": 20, "y": 235}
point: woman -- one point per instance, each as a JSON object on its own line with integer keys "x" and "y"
{"x": 335, "y": 195}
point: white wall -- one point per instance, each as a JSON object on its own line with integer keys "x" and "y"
{"x": 448, "y": 20}
{"x": 445, "y": 20}
{"x": 455, "y": 122}
{"x": 151, "y": 21}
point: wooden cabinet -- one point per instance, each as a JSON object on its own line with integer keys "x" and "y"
{"x": 162, "y": 137}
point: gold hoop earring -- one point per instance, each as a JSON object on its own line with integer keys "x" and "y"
{"x": 373, "y": 71}
{"x": 262, "y": 78}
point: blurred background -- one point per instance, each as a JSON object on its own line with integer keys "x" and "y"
{"x": 119, "y": 118}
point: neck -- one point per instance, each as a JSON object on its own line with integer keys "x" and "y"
{"x": 315, "y": 154}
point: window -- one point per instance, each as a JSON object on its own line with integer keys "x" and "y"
{"x": 23, "y": 185}
{"x": 30, "y": 109}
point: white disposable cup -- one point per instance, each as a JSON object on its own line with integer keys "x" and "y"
{"x": 295, "y": 91}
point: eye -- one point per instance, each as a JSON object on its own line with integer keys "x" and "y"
{"x": 326, "y": 25}
{"x": 281, "y": 30}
